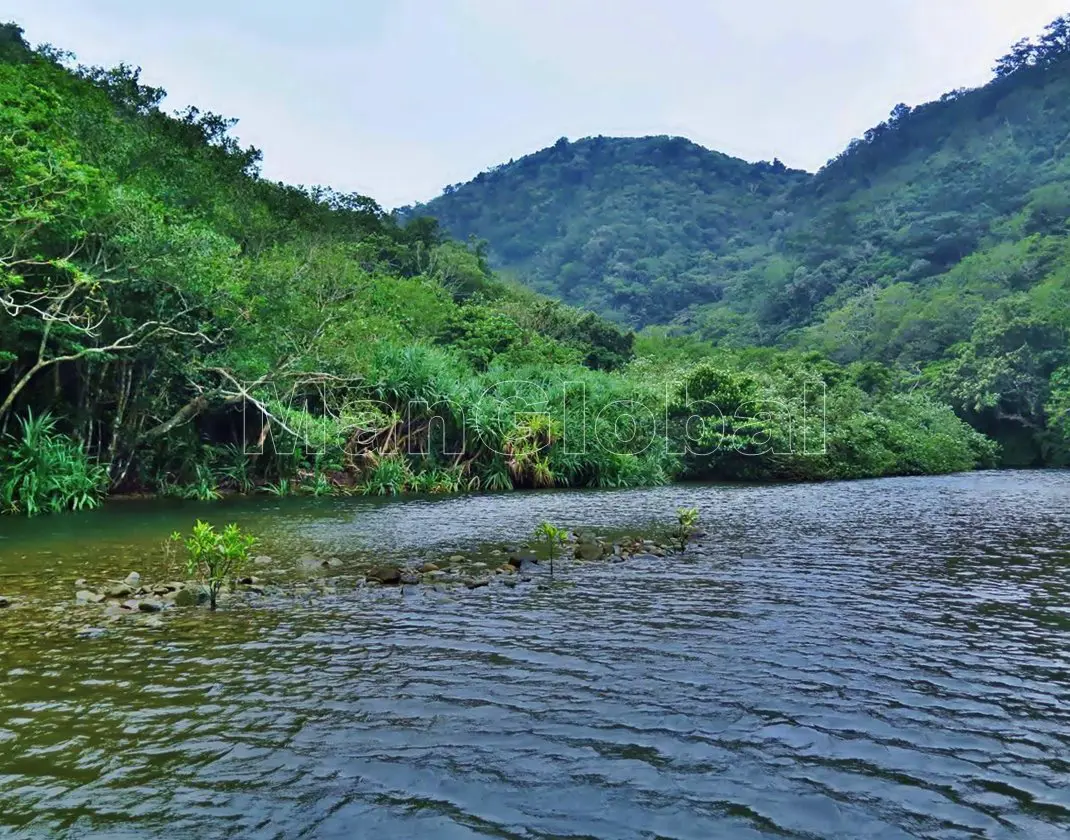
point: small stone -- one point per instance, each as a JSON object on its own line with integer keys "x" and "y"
{"x": 427, "y": 568}
{"x": 4, "y": 602}
{"x": 131, "y": 605}
{"x": 589, "y": 551}
{"x": 133, "y": 580}
{"x": 163, "y": 589}
{"x": 510, "y": 582}
{"x": 645, "y": 557}
{"x": 385, "y": 574}
{"x": 457, "y": 558}
{"x": 190, "y": 597}
{"x": 91, "y": 633}
{"x": 149, "y": 606}
{"x": 119, "y": 590}
{"x": 496, "y": 553}
{"x": 262, "y": 560}
{"x": 80, "y": 582}
{"x": 87, "y": 597}
{"x": 506, "y": 570}
{"x": 332, "y": 562}
{"x": 476, "y": 583}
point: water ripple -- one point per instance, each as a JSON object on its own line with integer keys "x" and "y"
{"x": 876, "y": 659}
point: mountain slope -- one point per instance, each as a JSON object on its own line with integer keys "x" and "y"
{"x": 632, "y": 227}
{"x": 938, "y": 242}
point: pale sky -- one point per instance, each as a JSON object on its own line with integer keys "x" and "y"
{"x": 397, "y": 98}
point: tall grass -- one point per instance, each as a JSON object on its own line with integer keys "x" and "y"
{"x": 43, "y": 471}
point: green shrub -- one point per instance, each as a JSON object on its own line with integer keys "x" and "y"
{"x": 42, "y": 471}
{"x": 216, "y": 558}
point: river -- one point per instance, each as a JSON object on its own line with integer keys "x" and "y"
{"x": 876, "y": 659}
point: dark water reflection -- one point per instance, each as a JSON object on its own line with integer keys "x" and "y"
{"x": 874, "y": 659}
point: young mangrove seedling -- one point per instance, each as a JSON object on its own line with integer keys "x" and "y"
{"x": 549, "y": 538}
{"x": 686, "y": 519}
{"x": 216, "y": 558}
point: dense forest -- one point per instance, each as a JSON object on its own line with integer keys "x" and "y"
{"x": 937, "y": 244}
{"x": 172, "y": 322}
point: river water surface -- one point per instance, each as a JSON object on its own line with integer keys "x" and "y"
{"x": 869, "y": 659}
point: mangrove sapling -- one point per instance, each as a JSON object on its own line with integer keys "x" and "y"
{"x": 686, "y": 520}
{"x": 215, "y": 557}
{"x": 548, "y": 539}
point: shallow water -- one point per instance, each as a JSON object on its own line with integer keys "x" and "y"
{"x": 869, "y": 659}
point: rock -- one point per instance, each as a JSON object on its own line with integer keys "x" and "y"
{"x": 163, "y": 589}
{"x": 589, "y": 551}
{"x": 310, "y": 562}
{"x": 262, "y": 560}
{"x": 427, "y": 568}
{"x": 457, "y": 558}
{"x": 87, "y": 597}
{"x": 4, "y": 602}
{"x": 91, "y": 633}
{"x": 133, "y": 580}
{"x": 332, "y": 562}
{"x": 80, "y": 582}
{"x": 507, "y": 570}
{"x": 249, "y": 580}
{"x": 644, "y": 557}
{"x": 476, "y": 583}
{"x": 510, "y": 582}
{"x": 131, "y": 605}
{"x": 190, "y": 597}
{"x": 386, "y": 574}
{"x": 409, "y": 577}
{"x": 515, "y": 561}
{"x": 496, "y": 553}
{"x": 149, "y": 606}
{"x": 119, "y": 590}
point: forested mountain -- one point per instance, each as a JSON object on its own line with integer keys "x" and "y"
{"x": 634, "y": 228}
{"x": 937, "y": 243}
{"x": 172, "y": 322}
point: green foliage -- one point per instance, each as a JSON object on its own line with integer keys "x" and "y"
{"x": 897, "y": 251}
{"x": 548, "y": 540}
{"x": 42, "y": 471}
{"x": 390, "y": 477}
{"x": 686, "y": 520}
{"x": 216, "y": 558}
{"x": 213, "y": 331}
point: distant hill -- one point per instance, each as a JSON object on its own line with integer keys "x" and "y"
{"x": 938, "y": 242}
{"x": 635, "y": 228}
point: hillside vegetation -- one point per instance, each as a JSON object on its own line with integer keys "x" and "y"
{"x": 172, "y": 322}
{"x": 937, "y": 243}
